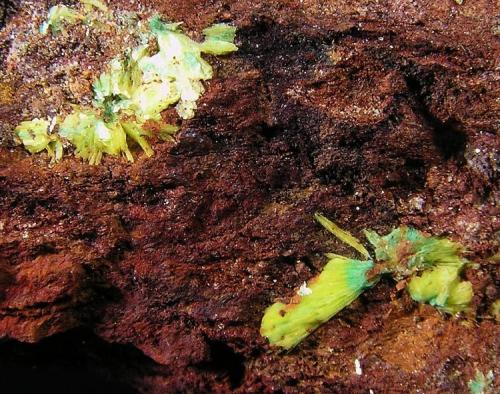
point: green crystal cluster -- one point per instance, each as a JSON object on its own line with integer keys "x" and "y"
{"x": 135, "y": 89}
{"x": 431, "y": 265}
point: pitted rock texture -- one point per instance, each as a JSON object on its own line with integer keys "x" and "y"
{"x": 152, "y": 277}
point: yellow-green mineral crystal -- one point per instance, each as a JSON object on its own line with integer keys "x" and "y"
{"x": 34, "y": 135}
{"x": 432, "y": 266}
{"x": 136, "y": 88}
{"x": 338, "y": 285}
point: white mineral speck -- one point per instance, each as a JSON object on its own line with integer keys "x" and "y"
{"x": 304, "y": 290}
{"x": 417, "y": 203}
{"x": 357, "y": 367}
{"x": 53, "y": 123}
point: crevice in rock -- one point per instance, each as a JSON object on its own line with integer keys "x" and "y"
{"x": 448, "y": 138}
{"x": 270, "y": 132}
{"x": 225, "y": 362}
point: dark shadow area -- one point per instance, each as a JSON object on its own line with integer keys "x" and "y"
{"x": 226, "y": 363}
{"x": 74, "y": 362}
{"x": 449, "y": 139}
{"x": 7, "y": 9}
{"x": 270, "y": 132}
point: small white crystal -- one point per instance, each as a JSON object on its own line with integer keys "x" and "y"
{"x": 357, "y": 367}
{"x": 304, "y": 290}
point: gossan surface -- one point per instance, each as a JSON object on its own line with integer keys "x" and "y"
{"x": 153, "y": 277}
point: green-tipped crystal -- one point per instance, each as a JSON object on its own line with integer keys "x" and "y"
{"x": 433, "y": 265}
{"x": 338, "y": 285}
{"x": 481, "y": 384}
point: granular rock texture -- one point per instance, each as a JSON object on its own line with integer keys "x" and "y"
{"x": 152, "y": 277}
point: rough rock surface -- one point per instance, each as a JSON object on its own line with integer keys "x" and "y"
{"x": 152, "y": 277}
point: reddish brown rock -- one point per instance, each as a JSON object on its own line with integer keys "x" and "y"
{"x": 153, "y": 276}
